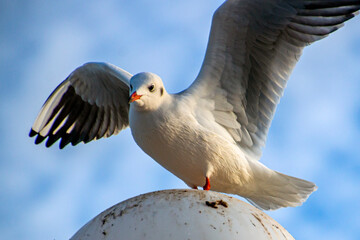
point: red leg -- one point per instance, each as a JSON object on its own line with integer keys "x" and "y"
{"x": 207, "y": 184}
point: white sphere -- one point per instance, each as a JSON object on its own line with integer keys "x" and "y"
{"x": 182, "y": 214}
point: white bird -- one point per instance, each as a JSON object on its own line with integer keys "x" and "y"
{"x": 215, "y": 129}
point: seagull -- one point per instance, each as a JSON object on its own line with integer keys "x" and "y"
{"x": 210, "y": 135}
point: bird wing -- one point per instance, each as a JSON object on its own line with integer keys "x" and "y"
{"x": 91, "y": 103}
{"x": 252, "y": 49}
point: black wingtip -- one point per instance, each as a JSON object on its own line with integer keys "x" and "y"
{"x": 65, "y": 140}
{"x": 32, "y": 133}
{"x": 51, "y": 140}
{"x": 39, "y": 139}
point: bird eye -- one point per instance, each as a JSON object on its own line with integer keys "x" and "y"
{"x": 130, "y": 87}
{"x": 151, "y": 87}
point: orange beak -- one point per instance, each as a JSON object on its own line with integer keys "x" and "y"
{"x": 134, "y": 97}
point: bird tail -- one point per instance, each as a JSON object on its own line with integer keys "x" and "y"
{"x": 275, "y": 190}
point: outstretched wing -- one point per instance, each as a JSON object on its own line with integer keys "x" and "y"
{"x": 91, "y": 103}
{"x": 253, "y": 47}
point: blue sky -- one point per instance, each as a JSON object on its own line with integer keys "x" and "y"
{"x": 51, "y": 193}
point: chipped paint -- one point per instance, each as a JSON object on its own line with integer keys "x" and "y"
{"x": 182, "y": 214}
{"x": 216, "y": 203}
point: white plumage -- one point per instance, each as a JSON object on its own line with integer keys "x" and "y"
{"x": 215, "y": 130}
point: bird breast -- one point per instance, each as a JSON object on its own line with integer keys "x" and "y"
{"x": 178, "y": 143}
{"x": 164, "y": 136}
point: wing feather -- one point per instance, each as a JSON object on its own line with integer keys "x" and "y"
{"x": 252, "y": 50}
{"x": 91, "y": 103}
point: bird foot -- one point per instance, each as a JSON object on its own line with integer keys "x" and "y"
{"x": 207, "y": 184}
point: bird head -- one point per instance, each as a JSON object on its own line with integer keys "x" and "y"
{"x": 147, "y": 91}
